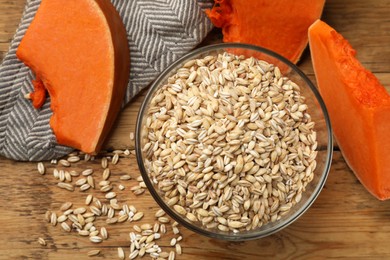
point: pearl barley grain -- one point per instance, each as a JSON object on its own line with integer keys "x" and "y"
{"x": 238, "y": 134}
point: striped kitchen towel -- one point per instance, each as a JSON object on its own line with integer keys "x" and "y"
{"x": 25, "y": 133}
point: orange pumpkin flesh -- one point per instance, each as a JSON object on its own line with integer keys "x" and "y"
{"x": 280, "y": 26}
{"x": 359, "y": 108}
{"x": 78, "y": 50}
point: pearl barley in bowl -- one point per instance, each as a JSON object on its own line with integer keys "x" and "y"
{"x": 233, "y": 142}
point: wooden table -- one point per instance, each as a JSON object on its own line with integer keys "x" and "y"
{"x": 344, "y": 222}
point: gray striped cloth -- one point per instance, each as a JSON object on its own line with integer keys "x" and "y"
{"x": 159, "y": 32}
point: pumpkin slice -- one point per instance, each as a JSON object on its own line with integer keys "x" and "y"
{"x": 280, "y": 26}
{"x": 359, "y": 108}
{"x": 78, "y": 50}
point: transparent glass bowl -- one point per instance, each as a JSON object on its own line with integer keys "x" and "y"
{"x": 316, "y": 108}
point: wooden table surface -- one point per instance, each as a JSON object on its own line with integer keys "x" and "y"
{"x": 344, "y": 222}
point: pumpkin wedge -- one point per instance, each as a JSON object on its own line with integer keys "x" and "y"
{"x": 280, "y": 26}
{"x": 79, "y": 53}
{"x": 358, "y": 105}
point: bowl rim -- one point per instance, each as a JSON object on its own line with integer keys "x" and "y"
{"x": 169, "y": 210}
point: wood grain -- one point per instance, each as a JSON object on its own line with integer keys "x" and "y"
{"x": 10, "y": 15}
{"x": 344, "y": 222}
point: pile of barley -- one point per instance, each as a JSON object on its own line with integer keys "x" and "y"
{"x": 229, "y": 143}
{"x": 100, "y": 202}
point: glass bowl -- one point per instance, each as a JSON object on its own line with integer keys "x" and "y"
{"x": 206, "y": 190}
